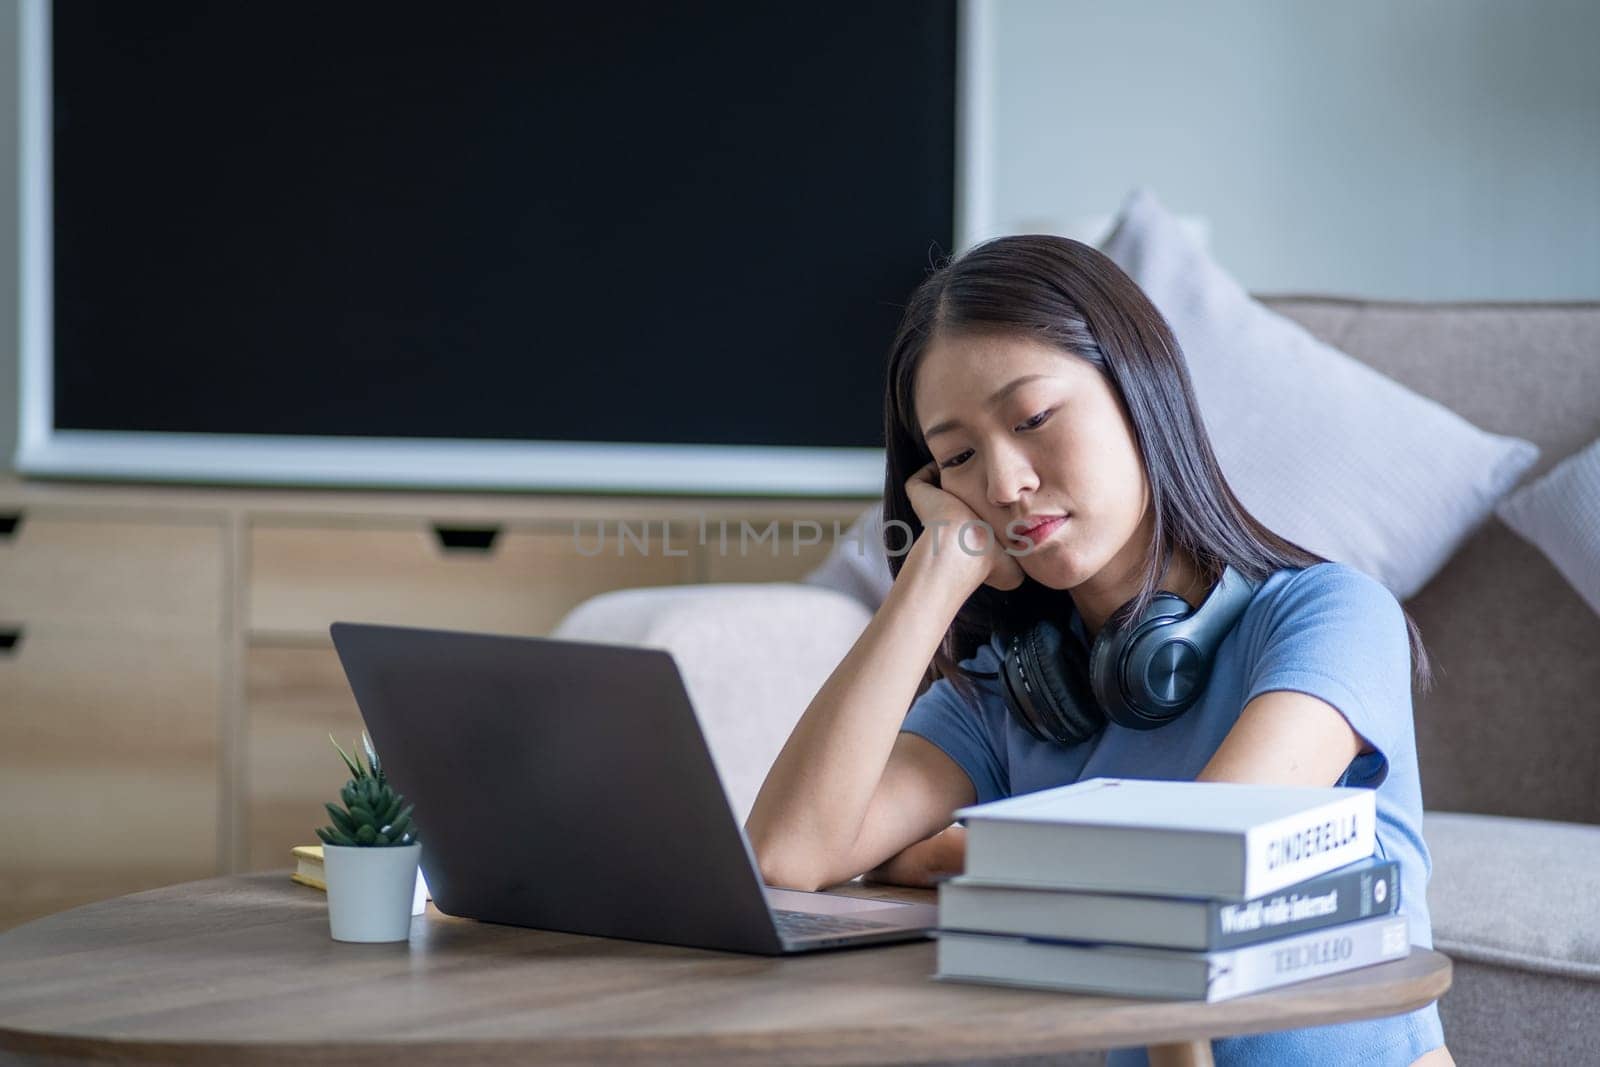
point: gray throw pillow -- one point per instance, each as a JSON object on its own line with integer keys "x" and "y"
{"x": 858, "y": 564}
{"x": 1560, "y": 516}
{"x": 1316, "y": 444}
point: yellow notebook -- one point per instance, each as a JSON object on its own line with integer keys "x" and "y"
{"x": 308, "y": 867}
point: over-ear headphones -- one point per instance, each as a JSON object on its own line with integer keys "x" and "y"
{"x": 1141, "y": 675}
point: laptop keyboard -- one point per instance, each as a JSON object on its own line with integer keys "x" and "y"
{"x": 808, "y": 924}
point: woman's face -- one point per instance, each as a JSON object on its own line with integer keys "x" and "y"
{"x": 1022, "y": 430}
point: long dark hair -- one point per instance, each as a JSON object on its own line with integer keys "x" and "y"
{"x": 1069, "y": 295}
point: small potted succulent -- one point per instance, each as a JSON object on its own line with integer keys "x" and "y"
{"x": 369, "y": 855}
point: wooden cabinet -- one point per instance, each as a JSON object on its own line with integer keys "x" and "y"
{"x": 84, "y": 572}
{"x": 751, "y": 554}
{"x": 110, "y": 690}
{"x": 294, "y": 698}
{"x": 505, "y": 579}
{"x": 167, "y": 684}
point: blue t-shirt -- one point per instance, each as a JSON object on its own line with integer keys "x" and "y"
{"x": 1327, "y": 630}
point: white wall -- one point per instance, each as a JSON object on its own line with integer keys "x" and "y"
{"x": 1411, "y": 149}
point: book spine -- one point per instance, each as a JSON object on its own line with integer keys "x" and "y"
{"x": 1338, "y": 897}
{"x": 1130, "y": 859}
{"x": 1073, "y": 968}
{"x": 1280, "y": 853}
{"x": 1297, "y": 959}
{"x": 1066, "y": 915}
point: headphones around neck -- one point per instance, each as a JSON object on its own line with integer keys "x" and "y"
{"x": 1140, "y": 675}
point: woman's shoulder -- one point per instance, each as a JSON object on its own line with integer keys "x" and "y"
{"x": 1324, "y": 592}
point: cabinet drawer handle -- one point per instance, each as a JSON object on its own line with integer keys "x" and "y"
{"x": 466, "y": 538}
{"x": 10, "y": 523}
{"x": 10, "y": 641}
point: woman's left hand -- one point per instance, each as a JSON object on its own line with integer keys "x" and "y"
{"x": 926, "y": 863}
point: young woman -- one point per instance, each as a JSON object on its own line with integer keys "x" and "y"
{"x": 1047, "y": 456}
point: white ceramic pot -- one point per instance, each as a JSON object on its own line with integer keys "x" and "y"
{"x": 370, "y": 891}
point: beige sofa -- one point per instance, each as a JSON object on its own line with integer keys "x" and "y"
{"x": 1509, "y": 740}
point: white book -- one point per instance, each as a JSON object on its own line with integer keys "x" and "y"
{"x": 1170, "y": 974}
{"x": 1220, "y": 840}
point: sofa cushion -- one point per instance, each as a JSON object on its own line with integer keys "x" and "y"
{"x": 1560, "y": 516}
{"x": 1317, "y": 445}
{"x": 1516, "y": 893}
{"x": 751, "y": 655}
{"x": 1496, "y": 1015}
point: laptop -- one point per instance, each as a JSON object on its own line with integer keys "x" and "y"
{"x": 567, "y": 785}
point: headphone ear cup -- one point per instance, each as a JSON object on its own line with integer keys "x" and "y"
{"x": 1046, "y": 685}
{"x": 1120, "y": 659}
{"x": 1140, "y": 675}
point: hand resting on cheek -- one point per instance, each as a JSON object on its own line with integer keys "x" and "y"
{"x": 959, "y": 532}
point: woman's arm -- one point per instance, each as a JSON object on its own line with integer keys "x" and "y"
{"x": 926, "y": 863}
{"x": 1285, "y": 738}
{"x": 811, "y": 811}
{"x": 1281, "y": 738}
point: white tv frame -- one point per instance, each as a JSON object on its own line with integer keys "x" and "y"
{"x": 418, "y": 463}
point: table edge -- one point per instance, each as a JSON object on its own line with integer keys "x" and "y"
{"x": 848, "y": 1045}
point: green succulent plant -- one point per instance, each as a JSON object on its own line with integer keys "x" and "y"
{"x": 374, "y": 815}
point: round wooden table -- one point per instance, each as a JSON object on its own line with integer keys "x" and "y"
{"x": 242, "y": 970}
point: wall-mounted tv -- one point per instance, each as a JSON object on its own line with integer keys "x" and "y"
{"x": 633, "y": 247}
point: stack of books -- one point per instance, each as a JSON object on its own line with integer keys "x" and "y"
{"x": 1176, "y": 890}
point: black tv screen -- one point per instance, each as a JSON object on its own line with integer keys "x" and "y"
{"x": 629, "y": 223}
